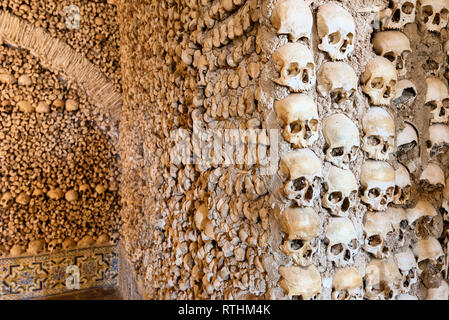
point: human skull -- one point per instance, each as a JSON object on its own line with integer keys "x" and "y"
{"x": 378, "y": 180}
{"x": 336, "y": 30}
{"x": 437, "y": 100}
{"x": 292, "y": 17}
{"x": 16, "y": 250}
{"x": 379, "y": 81}
{"x": 298, "y": 115}
{"x": 341, "y": 241}
{"x": 403, "y": 185}
{"x": 302, "y": 169}
{"x": 301, "y": 282}
{"x": 55, "y": 194}
{"x": 405, "y": 92}
{"x": 337, "y": 80}
{"x": 379, "y": 129}
{"x": 341, "y": 191}
{"x": 36, "y": 247}
{"x": 54, "y": 245}
{"x": 398, "y": 14}
{"x": 301, "y": 226}
{"x": 382, "y": 280}
{"x": 399, "y": 222}
{"x": 68, "y": 243}
{"x": 431, "y": 262}
{"x": 23, "y": 198}
{"x": 347, "y": 284}
{"x": 439, "y": 293}
{"x": 376, "y": 228}
{"x": 425, "y": 220}
{"x": 395, "y": 46}
{"x": 295, "y": 63}
{"x": 408, "y": 268}
{"x": 84, "y": 190}
{"x": 7, "y": 199}
{"x": 432, "y": 178}
{"x": 433, "y": 14}
{"x": 86, "y": 241}
{"x": 407, "y": 138}
{"x": 342, "y": 140}
{"x": 103, "y": 239}
{"x": 438, "y": 142}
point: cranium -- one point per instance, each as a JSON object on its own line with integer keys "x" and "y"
{"x": 54, "y": 245}
{"x": 23, "y": 198}
{"x": 71, "y": 195}
{"x": 16, "y": 250}
{"x": 437, "y": 100}
{"x": 433, "y": 14}
{"x": 341, "y": 241}
{"x": 430, "y": 257}
{"x": 398, "y": 14}
{"x": 432, "y": 178}
{"x": 7, "y": 199}
{"x": 379, "y": 81}
{"x": 103, "y": 239}
{"x": 292, "y": 17}
{"x": 301, "y": 282}
{"x": 438, "y": 142}
{"x": 301, "y": 226}
{"x": 302, "y": 168}
{"x": 395, "y": 46}
{"x": 424, "y": 219}
{"x": 68, "y": 243}
{"x": 341, "y": 190}
{"x": 403, "y": 185}
{"x": 405, "y": 92}
{"x": 295, "y": 64}
{"x": 347, "y": 284}
{"x": 36, "y": 247}
{"x": 376, "y": 228}
{"x": 407, "y": 139}
{"x": 86, "y": 241}
{"x": 379, "y": 129}
{"x": 382, "y": 280}
{"x": 378, "y": 180}
{"x": 337, "y": 80}
{"x": 408, "y": 268}
{"x": 298, "y": 115}
{"x": 399, "y": 222}
{"x": 84, "y": 191}
{"x": 439, "y": 293}
{"x": 336, "y": 29}
{"x": 342, "y": 140}
{"x": 55, "y": 194}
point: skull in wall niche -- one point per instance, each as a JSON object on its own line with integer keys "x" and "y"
{"x": 337, "y": 80}
{"x": 301, "y": 282}
{"x": 376, "y": 228}
{"x": 378, "y": 181}
{"x": 395, "y": 46}
{"x": 432, "y": 178}
{"x": 424, "y": 220}
{"x": 347, "y": 284}
{"x": 379, "y": 81}
{"x": 406, "y": 93}
{"x": 437, "y": 100}
{"x": 408, "y": 268}
{"x": 295, "y": 64}
{"x": 399, "y": 222}
{"x": 7, "y": 199}
{"x": 342, "y": 140}
{"x": 431, "y": 261}
{"x": 294, "y": 18}
{"x": 433, "y": 14}
{"x": 298, "y": 115}
{"x": 54, "y": 246}
{"x": 341, "y": 240}
{"x": 341, "y": 191}
{"x": 382, "y": 280}
{"x": 302, "y": 170}
{"x": 336, "y": 30}
{"x": 301, "y": 226}
{"x": 438, "y": 142}
{"x": 379, "y": 129}
{"x": 403, "y": 185}
{"x": 407, "y": 139}
{"x": 398, "y": 14}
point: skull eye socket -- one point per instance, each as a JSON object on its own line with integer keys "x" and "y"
{"x": 295, "y": 127}
{"x": 373, "y": 140}
{"x": 427, "y": 12}
{"x": 432, "y": 104}
{"x": 353, "y": 244}
{"x": 373, "y": 193}
{"x": 313, "y": 124}
{"x": 335, "y": 197}
{"x": 446, "y": 103}
{"x": 377, "y": 83}
{"x": 336, "y": 249}
{"x": 390, "y": 56}
{"x": 374, "y": 240}
{"x": 403, "y": 224}
{"x": 334, "y": 37}
{"x": 296, "y": 244}
{"x": 299, "y": 184}
{"x": 408, "y": 8}
{"x": 293, "y": 69}
{"x": 341, "y": 295}
{"x": 444, "y": 14}
{"x": 337, "y": 152}
{"x": 390, "y": 192}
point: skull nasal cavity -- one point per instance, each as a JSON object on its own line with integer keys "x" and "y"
{"x": 396, "y": 16}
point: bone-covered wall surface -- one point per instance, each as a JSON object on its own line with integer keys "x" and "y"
{"x": 357, "y": 204}
{"x": 59, "y": 164}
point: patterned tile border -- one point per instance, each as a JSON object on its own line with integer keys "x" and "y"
{"x": 45, "y": 275}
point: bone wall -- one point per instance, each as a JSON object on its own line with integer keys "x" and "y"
{"x": 357, "y": 193}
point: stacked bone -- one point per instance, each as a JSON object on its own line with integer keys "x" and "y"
{"x": 58, "y": 171}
